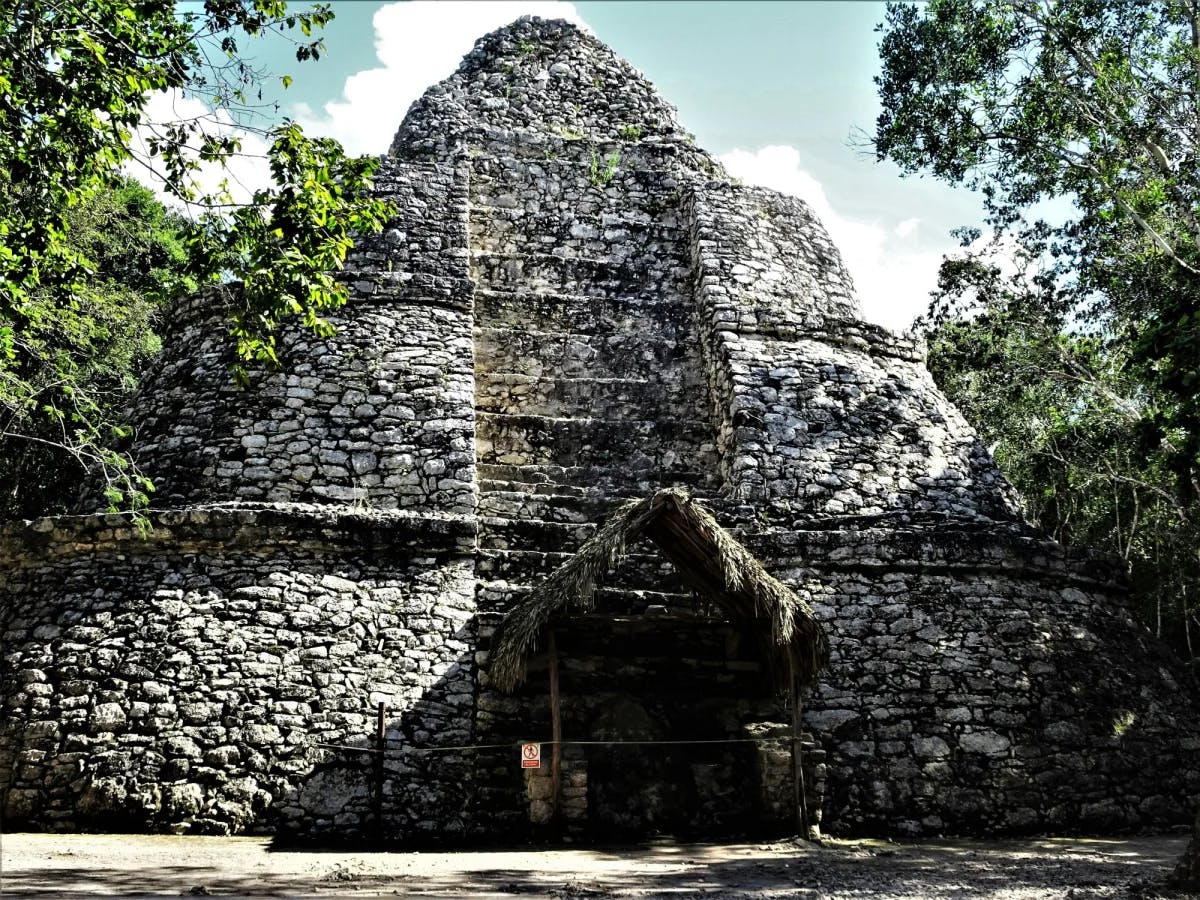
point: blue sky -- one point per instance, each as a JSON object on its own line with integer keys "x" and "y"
{"x": 778, "y": 90}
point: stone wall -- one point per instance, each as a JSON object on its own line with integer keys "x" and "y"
{"x": 820, "y": 413}
{"x": 378, "y": 416}
{"x": 985, "y": 681}
{"x": 572, "y": 306}
{"x": 543, "y": 78}
{"x": 764, "y": 261}
{"x": 586, "y": 352}
{"x": 186, "y": 681}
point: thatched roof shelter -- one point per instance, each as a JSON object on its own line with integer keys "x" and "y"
{"x": 707, "y": 557}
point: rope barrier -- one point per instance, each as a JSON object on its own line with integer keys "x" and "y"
{"x": 515, "y": 745}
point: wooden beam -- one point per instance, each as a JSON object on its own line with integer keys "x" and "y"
{"x": 798, "y": 791}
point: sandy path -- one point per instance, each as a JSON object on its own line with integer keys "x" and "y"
{"x": 64, "y": 865}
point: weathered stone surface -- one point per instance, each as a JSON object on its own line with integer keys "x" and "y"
{"x": 332, "y": 791}
{"x": 182, "y": 801}
{"x": 572, "y": 305}
{"x": 103, "y": 800}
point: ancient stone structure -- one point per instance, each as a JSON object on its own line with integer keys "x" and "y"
{"x": 573, "y": 305}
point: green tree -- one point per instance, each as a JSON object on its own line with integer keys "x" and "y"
{"x": 1094, "y": 100}
{"x": 1097, "y": 101}
{"x": 79, "y": 360}
{"x": 1064, "y": 420}
{"x": 75, "y": 80}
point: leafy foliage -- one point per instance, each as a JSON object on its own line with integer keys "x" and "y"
{"x": 76, "y": 359}
{"x": 1058, "y": 413}
{"x": 1095, "y": 101}
{"x": 1072, "y": 342}
{"x": 76, "y": 77}
{"x": 285, "y": 245}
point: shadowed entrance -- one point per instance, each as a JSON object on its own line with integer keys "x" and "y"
{"x": 672, "y": 775}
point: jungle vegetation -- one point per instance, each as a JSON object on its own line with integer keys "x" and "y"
{"x": 87, "y": 259}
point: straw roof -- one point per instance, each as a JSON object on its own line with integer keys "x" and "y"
{"x": 707, "y": 557}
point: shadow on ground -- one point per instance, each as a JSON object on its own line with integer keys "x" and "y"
{"x": 1074, "y": 868}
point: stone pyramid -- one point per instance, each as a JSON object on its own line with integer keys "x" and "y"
{"x": 573, "y": 306}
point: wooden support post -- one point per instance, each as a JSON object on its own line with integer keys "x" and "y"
{"x": 555, "y": 733}
{"x": 380, "y": 748}
{"x": 798, "y": 792}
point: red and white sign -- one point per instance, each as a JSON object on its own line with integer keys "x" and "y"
{"x": 531, "y": 756}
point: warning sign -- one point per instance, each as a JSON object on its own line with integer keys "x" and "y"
{"x": 531, "y": 756}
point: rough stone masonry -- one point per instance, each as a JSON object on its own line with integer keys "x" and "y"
{"x": 573, "y": 305}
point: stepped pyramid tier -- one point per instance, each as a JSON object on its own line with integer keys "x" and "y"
{"x": 573, "y": 306}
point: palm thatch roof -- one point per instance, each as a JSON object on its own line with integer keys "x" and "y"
{"x": 706, "y": 556}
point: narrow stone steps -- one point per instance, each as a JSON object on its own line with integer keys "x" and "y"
{"x": 566, "y": 312}
{"x": 638, "y": 480}
{"x": 539, "y": 273}
{"x": 502, "y": 533}
{"x": 566, "y": 233}
{"x": 667, "y": 358}
{"x": 548, "y": 488}
{"x": 565, "y": 508}
{"x": 658, "y": 151}
{"x": 575, "y": 241}
{"x": 550, "y": 311}
{"x": 607, "y": 398}
{"x": 595, "y": 496}
{"x": 588, "y": 169}
{"x": 551, "y": 543}
{"x": 560, "y": 479}
{"x": 662, "y": 447}
{"x": 665, "y": 228}
{"x": 558, "y": 427}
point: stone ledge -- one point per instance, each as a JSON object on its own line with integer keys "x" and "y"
{"x": 953, "y": 546}
{"x": 843, "y": 333}
{"x": 409, "y": 288}
{"x": 255, "y": 528}
{"x": 400, "y": 286}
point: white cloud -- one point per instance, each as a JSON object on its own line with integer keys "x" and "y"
{"x": 892, "y": 271}
{"x": 246, "y": 171}
{"x": 418, "y": 44}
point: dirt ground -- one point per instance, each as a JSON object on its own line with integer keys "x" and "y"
{"x": 66, "y": 865}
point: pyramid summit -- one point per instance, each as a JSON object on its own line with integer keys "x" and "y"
{"x": 599, "y": 412}
{"x": 541, "y": 77}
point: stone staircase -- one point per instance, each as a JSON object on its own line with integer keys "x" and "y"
{"x": 589, "y": 388}
{"x": 585, "y": 354}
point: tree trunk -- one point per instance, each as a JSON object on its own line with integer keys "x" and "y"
{"x": 1187, "y": 873}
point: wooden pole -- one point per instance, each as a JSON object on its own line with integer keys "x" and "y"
{"x": 798, "y": 791}
{"x": 555, "y": 732}
{"x": 380, "y": 749}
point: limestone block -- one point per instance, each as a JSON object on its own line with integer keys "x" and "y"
{"x": 986, "y": 742}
